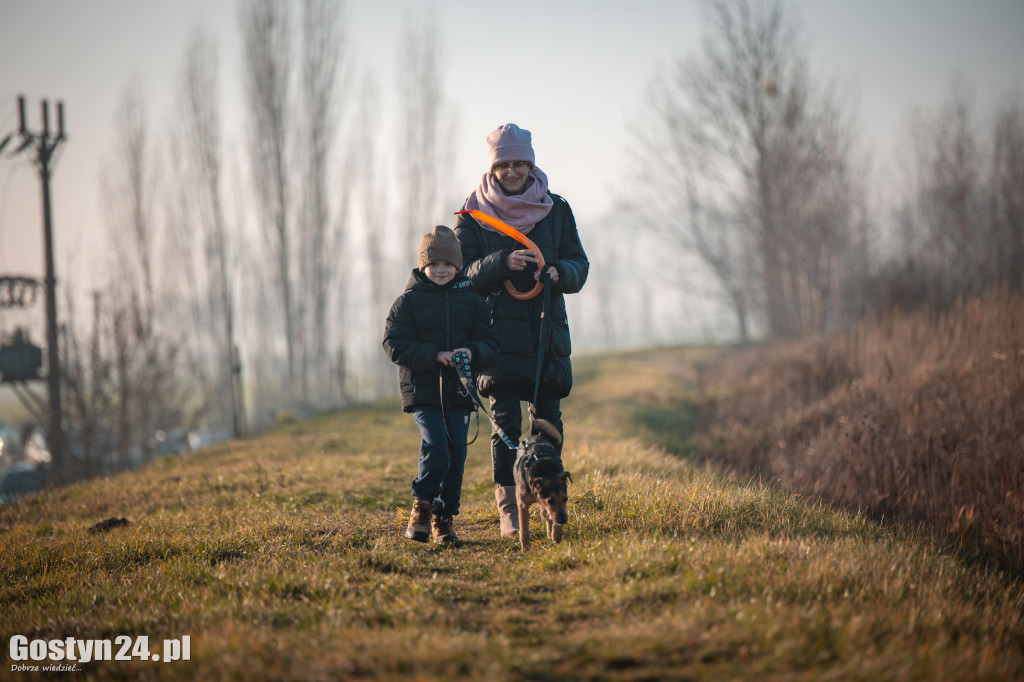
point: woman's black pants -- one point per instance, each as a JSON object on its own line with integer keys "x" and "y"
{"x": 507, "y": 413}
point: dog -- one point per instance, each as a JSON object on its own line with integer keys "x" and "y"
{"x": 541, "y": 480}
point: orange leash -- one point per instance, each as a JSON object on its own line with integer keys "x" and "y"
{"x": 507, "y": 229}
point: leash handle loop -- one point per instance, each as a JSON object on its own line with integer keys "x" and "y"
{"x": 510, "y": 231}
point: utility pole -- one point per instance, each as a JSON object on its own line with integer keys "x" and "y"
{"x": 43, "y": 146}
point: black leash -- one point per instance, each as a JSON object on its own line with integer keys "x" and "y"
{"x": 545, "y": 333}
{"x": 461, "y": 361}
{"x": 463, "y": 390}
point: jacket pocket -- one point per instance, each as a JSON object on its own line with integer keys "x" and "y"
{"x": 561, "y": 346}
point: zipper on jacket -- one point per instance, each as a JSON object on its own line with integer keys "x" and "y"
{"x": 447, "y": 335}
{"x": 447, "y": 322}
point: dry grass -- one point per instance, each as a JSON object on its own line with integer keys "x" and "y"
{"x": 919, "y": 419}
{"x": 282, "y": 557}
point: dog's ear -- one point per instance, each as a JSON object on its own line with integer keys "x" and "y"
{"x": 536, "y": 484}
{"x": 565, "y": 476}
{"x": 548, "y": 429}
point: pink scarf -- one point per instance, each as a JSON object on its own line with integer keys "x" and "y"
{"x": 522, "y": 211}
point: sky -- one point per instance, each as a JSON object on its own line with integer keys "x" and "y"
{"x": 574, "y": 72}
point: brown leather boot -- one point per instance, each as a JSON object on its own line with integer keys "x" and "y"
{"x": 419, "y": 521}
{"x": 505, "y": 498}
{"x": 441, "y": 530}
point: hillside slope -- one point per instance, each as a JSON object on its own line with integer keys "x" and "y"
{"x": 281, "y": 557}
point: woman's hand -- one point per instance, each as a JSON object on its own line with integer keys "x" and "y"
{"x": 552, "y": 274}
{"x": 518, "y": 260}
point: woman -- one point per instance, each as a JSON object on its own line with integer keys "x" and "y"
{"x": 516, "y": 191}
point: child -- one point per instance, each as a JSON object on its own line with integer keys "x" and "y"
{"x": 438, "y": 315}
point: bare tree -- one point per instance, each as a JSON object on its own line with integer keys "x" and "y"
{"x": 373, "y": 216}
{"x": 88, "y": 380}
{"x": 123, "y": 379}
{"x": 128, "y": 184}
{"x": 266, "y": 36}
{"x": 322, "y": 229}
{"x": 949, "y": 199}
{"x": 365, "y": 140}
{"x": 1007, "y": 194}
{"x": 129, "y": 201}
{"x": 815, "y": 201}
{"x": 121, "y": 384}
{"x": 747, "y": 161}
{"x": 963, "y": 228}
{"x": 425, "y": 155}
{"x": 200, "y": 226}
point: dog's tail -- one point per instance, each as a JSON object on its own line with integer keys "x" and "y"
{"x": 548, "y": 429}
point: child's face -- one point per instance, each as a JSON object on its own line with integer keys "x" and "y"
{"x": 440, "y": 272}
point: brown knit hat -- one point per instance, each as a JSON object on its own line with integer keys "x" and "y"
{"x": 440, "y": 244}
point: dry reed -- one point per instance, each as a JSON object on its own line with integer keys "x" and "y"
{"x": 919, "y": 418}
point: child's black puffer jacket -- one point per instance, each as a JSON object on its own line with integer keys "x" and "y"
{"x": 427, "y": 319}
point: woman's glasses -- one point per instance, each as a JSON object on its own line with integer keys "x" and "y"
{"x": 506, "y": 168}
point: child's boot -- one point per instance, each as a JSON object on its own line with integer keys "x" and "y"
{"x": 419, "y": 521}
{"x": 441, "y": 530}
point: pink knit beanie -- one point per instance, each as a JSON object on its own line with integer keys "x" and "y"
{"x": 509, "y": 143}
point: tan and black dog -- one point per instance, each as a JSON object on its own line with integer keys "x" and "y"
{"x": 541, "y": 480}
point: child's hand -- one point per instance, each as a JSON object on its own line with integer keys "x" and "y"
{"x": 445, "y": 356}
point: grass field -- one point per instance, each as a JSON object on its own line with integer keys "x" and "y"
{"x": 281, "y": 558}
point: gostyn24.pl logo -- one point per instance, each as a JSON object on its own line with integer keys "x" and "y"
{"x": 69, "y": 652}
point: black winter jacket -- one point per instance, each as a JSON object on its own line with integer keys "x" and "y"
{"x": 427, "y": 319}
{"x": 484, "y": 256}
